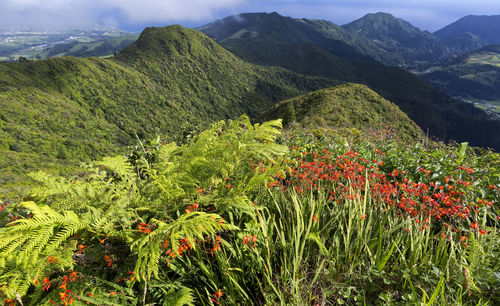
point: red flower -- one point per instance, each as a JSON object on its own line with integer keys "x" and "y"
{"x": 108, "y": 259}
{"x": 144, "y": 228}
{"x": 218, "y": 294}
{"x": 46, "y": 284}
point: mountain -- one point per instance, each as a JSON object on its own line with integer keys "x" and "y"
{"x": 60, "y": 110}
{"x": 464, "y": 42}
{"x": 104, "y": 47}
{"x": 32, "y": 43}
{"x": 271, "y": 44}
{"x": 246, "y": 30}
{"x": 347, "y": 106}
{"x": 473, "y": 76}
{"x": 405, "y": 43}
{"x": 486, "y": 28}
{"x": 79, "y": 108}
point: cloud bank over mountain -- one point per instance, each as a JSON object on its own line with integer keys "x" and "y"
{"x": 135, "y": 14}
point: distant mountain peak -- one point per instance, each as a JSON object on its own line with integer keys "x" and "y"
{"x": 381, "y": 23}
{"x": 486, "y": 27}
{"x": 173, "y": 40}
{"x": 380, "y": 15}
{"x": 397, "y": 36}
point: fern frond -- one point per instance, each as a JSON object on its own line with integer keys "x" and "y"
{"x": 48, "y": 185}
{"x": 44, "y": 233}
{"x": 118, "y": 164}
{"x": 172, "y": 294}
{"x": 188, "y": 226}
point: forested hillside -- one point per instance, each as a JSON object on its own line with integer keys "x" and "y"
{"x": 81, "y": 108}
{"x": 295, "y": 171}
{"x": 274, "y": 40}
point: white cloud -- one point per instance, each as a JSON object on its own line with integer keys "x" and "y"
{"x": 427, "y": 14}
{"x": 176, "y": 10}
{"x": 75, "y": 12}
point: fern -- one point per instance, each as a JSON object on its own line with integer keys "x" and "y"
{"x": 115, "y": 196}
{"x": 44, "y": 233}
{"x": 188, "y": 226}
{"x": 171, "y": 294}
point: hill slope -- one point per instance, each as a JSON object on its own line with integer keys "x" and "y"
{"x": 32, "y": 43}
{"x": 347, "y": 105}
{"x": 474, "y": 76}
{"x": 487, "y": 28}
{"x": 244, "y": 30}
{"x": 80, "y": 108}
{"x": 406, "y": 43}
{"x": 431, "y": 109}
{"x": 104, "y": 47}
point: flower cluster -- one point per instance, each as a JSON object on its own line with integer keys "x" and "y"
{"x": 351, "y": 177}
{"x": 184, "y": 245}
{"x": 250, "y": 240}
{"x": 144, "y": 228}
{"x": 217, "y": 296}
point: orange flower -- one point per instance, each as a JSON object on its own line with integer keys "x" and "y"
{"x": 108, "y": 259}
{"x": 315, "y": 218}
{"x": 218, "y": 294}
{"x": 144, "y": 228}
{"x": 46, "y": 284}
{"x": 63, "y": 295}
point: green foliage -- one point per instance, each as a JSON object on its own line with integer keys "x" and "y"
{"x": 189, "y": 227}
{"x": 77, "y": 109}
{"x": 406, "y": 43}
{"x": 348, "y": 106}
{"x": 218, "y": 220}
{"x": 319, "y": 48}
{"x": 473, "y": 76}
{"x": 122, "y": 217}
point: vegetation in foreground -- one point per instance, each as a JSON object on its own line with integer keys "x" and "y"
{"x": 242, "y": 215}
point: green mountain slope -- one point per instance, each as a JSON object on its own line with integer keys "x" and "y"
{"x": 487, "y": 28}
{"x": 435, "y": 112}
{"x": 473, "y": 76}
{"x": 347, "y": 105}
{"x": 406, "y": 44}
{"x": 80, "y": 108}
{"x": 263, "y": 29}
{"x": 86, "y": 49}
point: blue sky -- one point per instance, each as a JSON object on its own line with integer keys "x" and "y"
{"x": 134, "y": 15}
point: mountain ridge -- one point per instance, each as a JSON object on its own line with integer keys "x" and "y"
{"x": 172, "y": 78}
{"x": 104, "y": 103}
{"x": 487, "y": 27}
{"x": 347, "y": 106}
{"x": 434, "y": 111}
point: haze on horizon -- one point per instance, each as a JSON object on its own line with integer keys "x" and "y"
{"x": 133, "y": 15}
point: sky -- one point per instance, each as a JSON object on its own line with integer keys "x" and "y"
{"x": 134, "y": 15}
